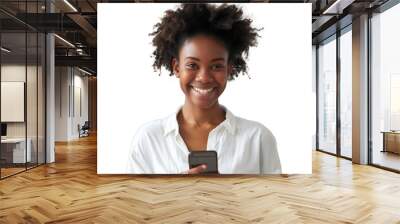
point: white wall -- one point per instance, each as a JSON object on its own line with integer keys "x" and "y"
{"x": 61, "y": 103}
{"x": 69, "y": 82}
{"x": 14, "y": 73}
{"x": 279, "y": 93}
{"x": 80, "y": 83}
{"x": 17, "y": 72}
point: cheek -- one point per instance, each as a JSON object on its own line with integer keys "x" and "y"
{"x": 221, "y": 78}
{"x": 184, "y": 80}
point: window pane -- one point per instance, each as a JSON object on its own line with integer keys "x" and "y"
{"x": 327, "y": 96}
{"x": 386, "y": 88}
{"x": 346, "y": 93}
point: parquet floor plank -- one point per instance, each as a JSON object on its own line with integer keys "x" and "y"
{"x": 70, "y": 191}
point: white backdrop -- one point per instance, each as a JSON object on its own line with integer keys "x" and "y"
{"x": 279, "y": 93}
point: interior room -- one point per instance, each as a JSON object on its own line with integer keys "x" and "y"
{"x": 48, "y": 105}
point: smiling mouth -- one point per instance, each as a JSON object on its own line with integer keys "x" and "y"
{"x": 202, "y": 91}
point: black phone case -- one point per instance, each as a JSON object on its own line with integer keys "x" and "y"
{"x": 209, "y": 158}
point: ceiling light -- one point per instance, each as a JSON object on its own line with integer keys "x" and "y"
{"x": 70, "y": 5}
{"x": 79, "y": 51}
{"x": 5, "y": 50}
{"x": 338, "y": 6}
{"x": 64, "y": 40}
{"x": 84, "y": 71}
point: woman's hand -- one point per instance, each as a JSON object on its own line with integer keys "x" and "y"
{"x": 196, "y": 170}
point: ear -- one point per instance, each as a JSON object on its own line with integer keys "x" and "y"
{"x": 175, "y": 67}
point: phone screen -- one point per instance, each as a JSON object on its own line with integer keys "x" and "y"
{"x": 197, "y": 158}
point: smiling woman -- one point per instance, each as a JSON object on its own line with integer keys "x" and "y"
{"x": 204, "y": 46}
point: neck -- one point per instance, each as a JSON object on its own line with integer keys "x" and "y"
{"x": 202, "y": 116}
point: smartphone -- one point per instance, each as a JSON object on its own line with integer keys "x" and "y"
{"x": 209, "y": 158}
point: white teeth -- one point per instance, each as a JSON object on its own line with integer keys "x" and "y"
{"x": 203, "y": 91}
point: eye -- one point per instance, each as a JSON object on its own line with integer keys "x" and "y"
{"x": 217, "y": 66}
{"x": 191, "y": 66}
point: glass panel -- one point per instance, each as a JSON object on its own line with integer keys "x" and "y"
{"x": 32, "y": 90}
{"x": 13, "y": 90}
{"x": 31, "y": 101}
{"x": 386, "y": 89}
{"x": 314, "y": 87}
{"x": 346, "y": 94}
{"x": 327, "y": 96}
{"x": 22, "y": 88}
{"x": 41, "y": 98}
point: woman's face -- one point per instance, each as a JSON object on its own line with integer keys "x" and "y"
{"x": 202, "y": 70}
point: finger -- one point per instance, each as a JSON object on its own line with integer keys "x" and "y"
{"x": 198, "y": 169}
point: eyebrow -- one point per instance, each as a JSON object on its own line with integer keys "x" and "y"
{"x": 196, "y": 59}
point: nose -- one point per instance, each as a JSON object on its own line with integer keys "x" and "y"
{"x": 204, "y": 75}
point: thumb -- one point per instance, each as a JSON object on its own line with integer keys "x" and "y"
{"x": 198, "y": 169}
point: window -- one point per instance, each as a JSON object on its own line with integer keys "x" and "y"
{"x": 327, "y": 96}
{"x": 346, "y": 92}
{"x": 385, "y": 88}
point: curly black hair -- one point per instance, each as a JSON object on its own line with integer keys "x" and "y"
{"x": 224, "y": 22}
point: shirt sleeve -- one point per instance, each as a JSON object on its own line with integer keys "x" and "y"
{"x": 137, "y": 163}
{"x": 270, "y": 162}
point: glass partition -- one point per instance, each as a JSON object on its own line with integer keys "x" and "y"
{"x": 32, "y": 95}
{"x": 327, "y": 95}
{"x": 22, "y": 101}
{"x": 13, "y": 103}
{"x": 33, "y": 64}
{"x": 346, "y": 93}
{"x": 385, "y": 89}
{"x": 41, "y": 109}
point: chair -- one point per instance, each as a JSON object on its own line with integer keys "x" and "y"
{"x": 84, "y": 130}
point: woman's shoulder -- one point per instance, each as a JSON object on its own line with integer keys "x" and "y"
{"x": 148, "y": 135}
{"x": 154, "y": 127}
{"x": 252, "y": 126}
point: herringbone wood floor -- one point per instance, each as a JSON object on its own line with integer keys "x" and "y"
{"x": 70, "y": 191}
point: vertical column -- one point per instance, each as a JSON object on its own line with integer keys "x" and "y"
{"x": 338, "y": 98}
{"x": 50, "y": 92}
{"x": 360, "y": 90}
{"x": 92, "y": 99}
{"x": 314, "y": 89}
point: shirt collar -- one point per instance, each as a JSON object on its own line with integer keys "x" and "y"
{"x": 171, "y": 122}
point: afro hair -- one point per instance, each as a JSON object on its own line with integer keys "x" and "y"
{"x": 224, "y": 22}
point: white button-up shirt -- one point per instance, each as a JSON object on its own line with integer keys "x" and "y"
{"x": 242, "y": 146}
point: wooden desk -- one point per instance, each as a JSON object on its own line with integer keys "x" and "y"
{"x": 13, "y": 150}
{"x": 391, "y": 141}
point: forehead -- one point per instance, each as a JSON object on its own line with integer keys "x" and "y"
{"x": 203, "y": 47}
